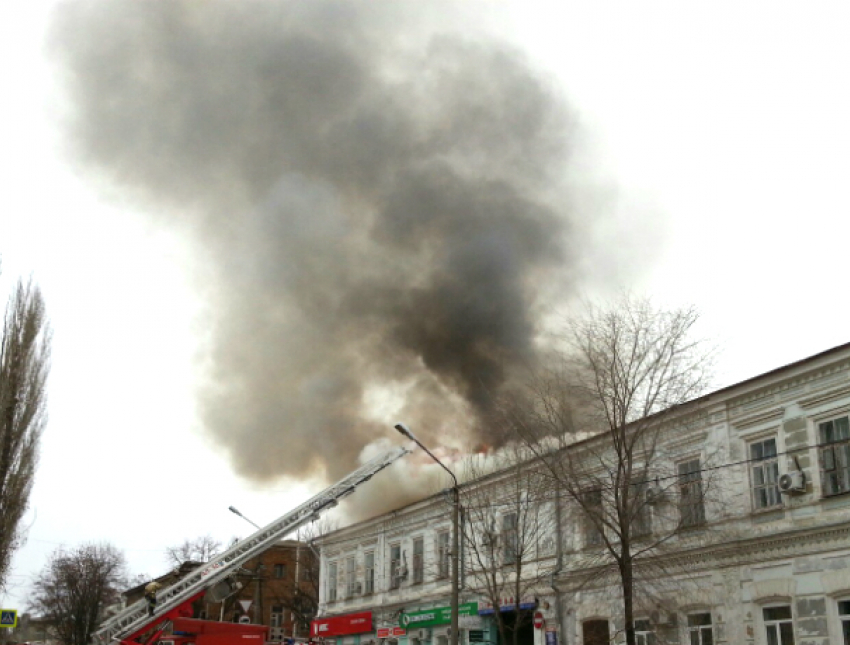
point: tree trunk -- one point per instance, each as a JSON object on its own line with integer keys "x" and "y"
{"x": 627, "y": 577}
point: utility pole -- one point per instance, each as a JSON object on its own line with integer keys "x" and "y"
{"x": 455, "y": 625}
{"x": 258, "y": 593}
{"x": 455, "y": 597}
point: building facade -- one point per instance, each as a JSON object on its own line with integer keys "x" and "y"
{"x": 760, "y": 499}
{"x": 280, "y": 589}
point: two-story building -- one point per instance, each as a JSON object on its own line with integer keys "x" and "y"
{"x": 280, "y": 589}
{"x": 758, "y": 492}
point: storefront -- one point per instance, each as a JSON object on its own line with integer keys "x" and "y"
{"x": 350, "y": 629}
{"x": 515, "y": 616}
{"x": 426, "y": 626}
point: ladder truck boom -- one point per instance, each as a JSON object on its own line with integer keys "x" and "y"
{"x": 134, "y": 620}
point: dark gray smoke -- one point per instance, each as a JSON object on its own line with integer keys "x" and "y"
{"x": 381, "y": 206}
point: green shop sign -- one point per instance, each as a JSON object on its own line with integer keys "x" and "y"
{"x": 436, "y": 616}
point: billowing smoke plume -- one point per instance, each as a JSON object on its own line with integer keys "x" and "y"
{"x": 380, "y": 204}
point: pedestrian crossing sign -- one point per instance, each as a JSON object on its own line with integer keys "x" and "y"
{"x": 8, "y": 617}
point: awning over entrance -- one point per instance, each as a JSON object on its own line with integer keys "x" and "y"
{"x": 506, "y": 604}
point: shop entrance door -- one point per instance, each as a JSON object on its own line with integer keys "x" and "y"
{"x": 525, "y": 629}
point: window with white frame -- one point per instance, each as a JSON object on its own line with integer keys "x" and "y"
{"x": 592, "y": 517}
{"x": 277, "y": 616}
{"x": 699, "y": 629}
{"x": 395, "y": 566}
{"x": 691, "y": 507}
{"x": 510, "y": 538}
{"x": 333, "y": 581}
{"x": 350, "y": 579}
{"x": 418, "y": 560}
{"x": 443, "y": 554}
{"x": 834, "y": 439}
{"x": 641, "y": 522}
{"x": 644, "y": 635}
{"x": 844, "y": 618}
{"x": 764, "y": 468}
{"x": 369, "y": 571}
{"x": 778, "y": 625}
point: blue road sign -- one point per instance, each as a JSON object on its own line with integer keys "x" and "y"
{"x": 8, "y": 617}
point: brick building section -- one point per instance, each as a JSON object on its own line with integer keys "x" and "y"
{"x": 279, "y": 599}
{"x": 136, "y": 593}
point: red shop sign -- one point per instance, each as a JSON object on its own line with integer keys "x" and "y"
{"x": 342, "y": 625}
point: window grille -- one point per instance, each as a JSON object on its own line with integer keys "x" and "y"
{"x": 691, "y": 508}
{"x": 778, "y": 625}
{"x": 418, "y": 560}
{"x": 369, "y": 566}
{"x": 592, "y": 511}
{"x": 641, "y": 519}
{"x": 510, "y": 538}
{"x": 835, "y": 455}
{"x": 395, "y": 566}
{"x": 350, "y": 579}
{"x": 765, "y": 474}
{"x": 844, "y": 617}
{"x": 643, "y": 633}
{"x": 699, "y": 629}
{"x": 443, "y": 554}
{"x": 332, "y": 581}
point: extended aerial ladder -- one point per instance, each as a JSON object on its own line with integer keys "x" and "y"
{"x": 175, "y": 601}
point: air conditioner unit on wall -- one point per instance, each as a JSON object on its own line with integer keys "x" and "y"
{"x": 423, "y": 634}
{"x": 793, "y": 482}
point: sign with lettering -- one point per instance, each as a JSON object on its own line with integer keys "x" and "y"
{"x": 507, "y": 604}
{"x": 435, "y": 616}
{"x": 470, "y": 622}
{"x": 342, "y": 625}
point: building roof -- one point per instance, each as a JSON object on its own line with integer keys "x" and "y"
{"x": 715, "y": 394}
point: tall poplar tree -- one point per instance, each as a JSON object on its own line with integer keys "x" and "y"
{"x": 24, "y": 365}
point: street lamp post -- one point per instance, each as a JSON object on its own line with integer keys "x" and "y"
{"x": 258, "y": 578}
{"x": 235, "y": 511}
{"x": 453, "y": 637}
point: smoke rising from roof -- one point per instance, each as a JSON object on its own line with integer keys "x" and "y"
{"x": 382, "y": 206}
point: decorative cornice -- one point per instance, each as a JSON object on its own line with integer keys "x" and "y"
{"x": 743, "y": 403}
{"x": 824, "y": 397}
{"x": 808, "y": 541}
{"x": 773, "y": 415}
{"x": 790, "y": 544}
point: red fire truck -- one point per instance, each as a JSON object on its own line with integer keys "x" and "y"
{"x": 171, "y": 622}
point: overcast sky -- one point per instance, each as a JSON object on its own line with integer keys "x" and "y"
{"x": 709, "y": 147}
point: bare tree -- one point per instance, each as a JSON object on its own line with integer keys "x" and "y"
{"x": 597, "y": 423}
{"x": 508, "y": 535}
{"x": 303, "y": 598}
{"x": 201, "y": 549}
{"x": 75, "y": 588}
{"x": 24, "y": 364}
